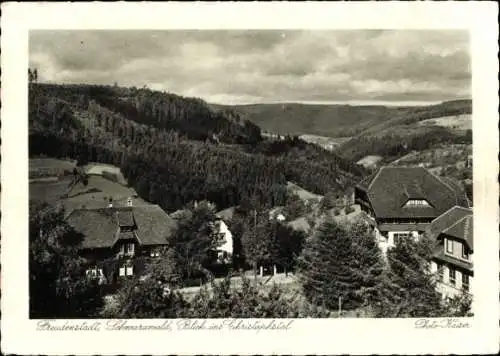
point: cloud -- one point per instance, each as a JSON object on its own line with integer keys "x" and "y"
{"x": 263, "y": 65}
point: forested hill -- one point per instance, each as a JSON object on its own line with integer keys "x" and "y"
{"x": 336, "y": 120}
{"x": 189, "y": 116}
{"x": 174, "y": 150}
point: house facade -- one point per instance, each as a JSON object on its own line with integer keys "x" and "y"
{"x": 453, "y": 257}
{"x": 116, "y": 241}
{"x": 403, "y": 201}
{"x": 225, "y": 251}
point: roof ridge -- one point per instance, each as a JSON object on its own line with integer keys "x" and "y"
{"x": 444, "y": 183}
{"x": 466, "y": 227}
{"x": 375, "y": 177}
{"x": 455, "y": 223}
{"x": 445, "y": 213}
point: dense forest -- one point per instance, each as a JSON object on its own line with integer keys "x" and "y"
{"x": 173, "y": 150}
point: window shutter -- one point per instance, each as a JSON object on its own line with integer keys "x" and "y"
{"x": 122, "y": 271}
{"x": 130, "y": 270}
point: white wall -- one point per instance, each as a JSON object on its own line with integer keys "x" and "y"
{"x": 444, "y": 287}
{"x": 228, "y": 238}
{"x": 390, "y": 239}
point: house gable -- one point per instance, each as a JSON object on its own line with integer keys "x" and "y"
{"x": 103, "y": 227}
{"x": 391, "y": 188}
{"x": 453, "y": 232}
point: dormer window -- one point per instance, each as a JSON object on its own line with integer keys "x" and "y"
{"x": 465, "y": 252}
{"x": 417, "y": 202}
{"x": 127, "y": 249}
{"x": 449, "y": 246}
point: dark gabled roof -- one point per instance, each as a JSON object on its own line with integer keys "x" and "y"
{"x": 391, "y": 187}
{"x": 154, "y": 225}
{"x": 462, "y": 230}
{"x": 456, "y": 222}
{"x": 125, "y": 217}
{"x": 127, "y": 235}
{"x": 100, "y": 227}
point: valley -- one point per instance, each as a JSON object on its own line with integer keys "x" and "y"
{"x": 190, "y": 163}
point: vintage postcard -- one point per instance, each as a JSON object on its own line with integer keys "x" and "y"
{"x": 242, "y": 179}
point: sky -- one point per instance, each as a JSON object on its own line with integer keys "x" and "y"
{"x": 264, "y": 66}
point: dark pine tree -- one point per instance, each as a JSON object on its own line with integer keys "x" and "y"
{"x": 331, "y": 268}
{"x": 411, "y": 289}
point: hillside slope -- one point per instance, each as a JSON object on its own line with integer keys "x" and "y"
{"x": 341, "y": 120}
{"x": 173, "y": 150}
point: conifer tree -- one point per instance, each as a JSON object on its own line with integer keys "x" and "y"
{"x": 411, "y": 288}
{"x": 328, "y": 271}
{"x": 368, "y": 260}
{"x": 58, "y": 287}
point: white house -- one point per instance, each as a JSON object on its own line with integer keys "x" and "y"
{"x": 224, "y": 252}
{"x": 403, "y": 201}
{"x": 452, "y": 261}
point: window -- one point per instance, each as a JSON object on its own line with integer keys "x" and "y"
{"x": 154, "y": 253}
{"x": 127, "y": 248}
{"x": 465, "y": 252}
{"x": 449, "y": 246}
{"x": 465, "y": 282}
{"x": 453, "y": 276}
{"x": 94, "y": 273}
{"x": 126, "y": 271}
{"x": 398, "y": 236}
{"x": 417, "y": 202}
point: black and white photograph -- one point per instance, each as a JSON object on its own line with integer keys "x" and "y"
{"x": 250, "y": 174}
{"x": 236, "y": 179}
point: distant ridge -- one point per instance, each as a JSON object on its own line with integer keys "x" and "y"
{"x": 340, "y": 119}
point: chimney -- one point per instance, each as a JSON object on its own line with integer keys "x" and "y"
{"x": 110, "y": 203}
{"x": 129, "y": 201}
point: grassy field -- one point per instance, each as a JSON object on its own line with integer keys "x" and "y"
{"x": 302, "y": 193}
{"x": 329, "y": 143}
{"x": 100, "y": 168}
{"x": 48, "y": 191}
{"x": 49, "y": 167}
{"x": 457, "y": 122}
